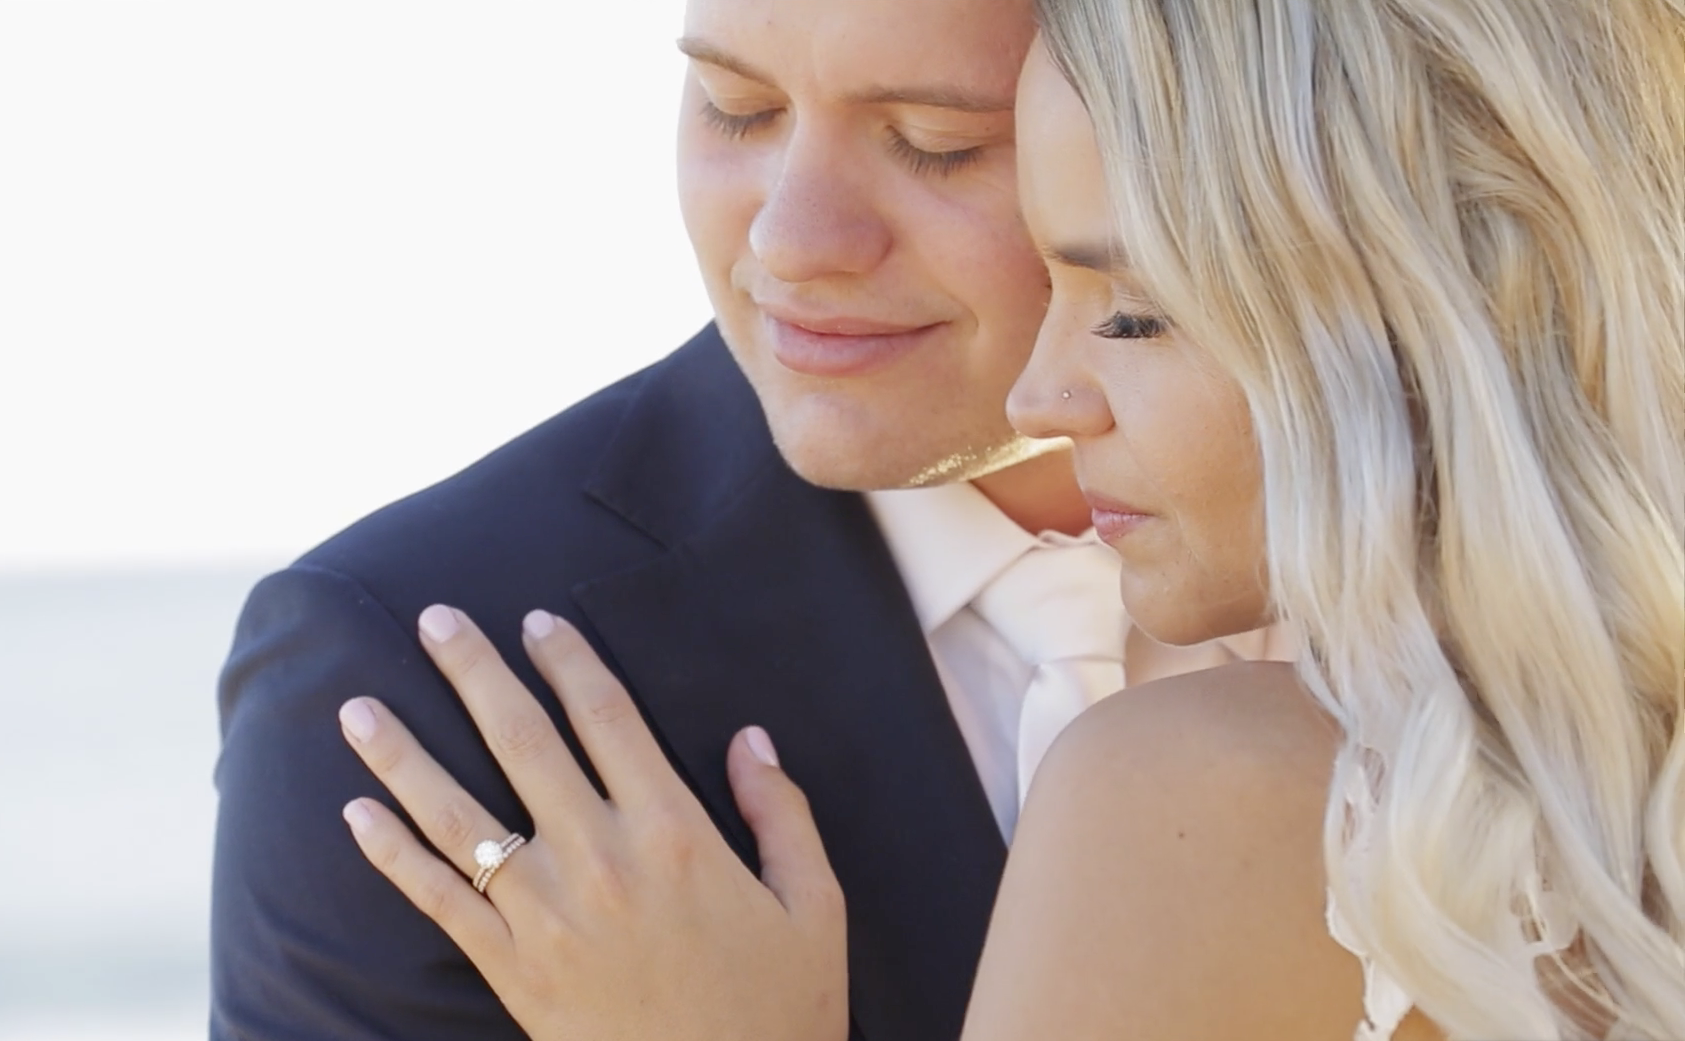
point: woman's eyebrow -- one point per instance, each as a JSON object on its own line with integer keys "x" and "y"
{"x": 1104, "y": 257}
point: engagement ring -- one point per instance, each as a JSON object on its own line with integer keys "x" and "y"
{"x": 493, "y": 855}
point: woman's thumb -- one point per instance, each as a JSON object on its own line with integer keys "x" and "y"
{"x": 793, "y": 861}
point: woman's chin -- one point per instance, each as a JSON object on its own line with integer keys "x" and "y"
{"x": 1176, "y": 634}
{"x": 1179, "y": 621}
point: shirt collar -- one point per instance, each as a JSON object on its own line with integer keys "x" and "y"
{"x": 949, "y": 542}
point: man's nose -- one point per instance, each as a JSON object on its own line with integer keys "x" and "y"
{"x": 817, "y": 218}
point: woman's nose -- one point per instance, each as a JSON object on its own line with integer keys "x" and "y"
{"x": 1057, "y": 395}
{"x": 817, "y": 219}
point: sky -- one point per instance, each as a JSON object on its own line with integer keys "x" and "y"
{"x": 265, "y": 267}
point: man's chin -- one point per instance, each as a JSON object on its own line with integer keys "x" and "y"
{"x": 1003, "y": 453}
{"x": 837, "y": 469}
{"x": 890, "y": 460}
{"x": 853, "y": 436}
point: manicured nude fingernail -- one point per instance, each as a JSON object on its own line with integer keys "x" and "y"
{"x": 539, "y": 624}
{"x": 358, "y": 816}
{"x": 439, "y": 623}
{"x": 760, "y": 743}
{"x": 358, "y": 719}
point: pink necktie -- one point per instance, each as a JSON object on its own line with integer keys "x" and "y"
{"x": 1059, "y": 609}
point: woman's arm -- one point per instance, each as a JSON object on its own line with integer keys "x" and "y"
{"x": 1167, "y": 880}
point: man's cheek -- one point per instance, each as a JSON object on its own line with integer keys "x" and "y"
{"x": 718, "y": 206}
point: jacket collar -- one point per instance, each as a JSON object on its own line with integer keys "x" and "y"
{"x": 778, "y": 603}
{"x": 693, "y": 437}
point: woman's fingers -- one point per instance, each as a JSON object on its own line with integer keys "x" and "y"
{"x": 453, "y": 821}
{"x": 515, "y": 726}
{"x": 434, "y": 887}
{"x": 604, "y": 717}
{"x": 584, "y": 913}
{"x": 793, "y": 861}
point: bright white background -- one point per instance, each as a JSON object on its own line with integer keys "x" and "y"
{"x": 265, "y": 267}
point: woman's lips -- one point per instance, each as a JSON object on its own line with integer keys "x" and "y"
{"x": 839, "y": 347}
{"x": 1113, "y": 520}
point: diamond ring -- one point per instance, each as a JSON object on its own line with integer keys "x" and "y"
{"x": 491, "y": 856}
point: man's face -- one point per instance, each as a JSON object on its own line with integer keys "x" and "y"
{"x": 847, "y": 176}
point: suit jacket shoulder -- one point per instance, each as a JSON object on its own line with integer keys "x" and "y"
{"x": 659, "y": 518}
{"x": 683, "y": 432}
{"x": 308, "y": 942}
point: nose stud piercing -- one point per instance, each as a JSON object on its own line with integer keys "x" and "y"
{"x": 1066, "y": 395}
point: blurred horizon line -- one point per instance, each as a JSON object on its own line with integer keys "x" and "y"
{"x": 54, "y": 567}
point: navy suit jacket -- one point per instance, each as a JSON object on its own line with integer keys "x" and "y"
{"x": 659, "y": 518}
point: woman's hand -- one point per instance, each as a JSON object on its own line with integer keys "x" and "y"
{"x": 621, "y": 919}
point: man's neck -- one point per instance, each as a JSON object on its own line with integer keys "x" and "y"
{"x": 1040, "y": 494}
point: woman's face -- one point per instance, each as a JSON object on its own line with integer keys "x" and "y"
{"x": 1164, "y": 444}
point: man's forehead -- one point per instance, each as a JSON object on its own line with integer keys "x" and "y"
{"x": 923, "y": 89}
{"x": 962, "y": 54}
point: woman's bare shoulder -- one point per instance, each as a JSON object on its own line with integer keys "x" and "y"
{"x": 1247, "y": 723}
{"x": 1167, "y": 881}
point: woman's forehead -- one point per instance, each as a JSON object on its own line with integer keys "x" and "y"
{"x": 1061, "y": 181}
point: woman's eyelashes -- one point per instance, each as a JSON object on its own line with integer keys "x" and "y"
{"x": 1121, "y": 326}
{"x": 735, "y": 127}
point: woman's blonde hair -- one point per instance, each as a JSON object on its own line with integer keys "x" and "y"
{"x": 1439, "y": 243}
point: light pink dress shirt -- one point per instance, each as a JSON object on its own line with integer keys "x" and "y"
{"x": 949, "y": 542}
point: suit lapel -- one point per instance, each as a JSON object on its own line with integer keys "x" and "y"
{"x": 781, "y": 606}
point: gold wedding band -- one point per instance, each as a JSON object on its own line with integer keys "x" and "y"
{"x": 493, "y": 855}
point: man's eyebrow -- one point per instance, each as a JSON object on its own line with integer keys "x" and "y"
{"x": 701, "y": 50}
{"x": 1104, "y": 257}
{"x": 933, "y": 97}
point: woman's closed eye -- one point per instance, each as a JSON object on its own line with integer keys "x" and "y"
{"x": 1123, "y": 326}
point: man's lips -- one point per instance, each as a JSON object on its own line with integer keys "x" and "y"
{"x": 1112, "y": 519}
{"x": 836, "y": 346}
